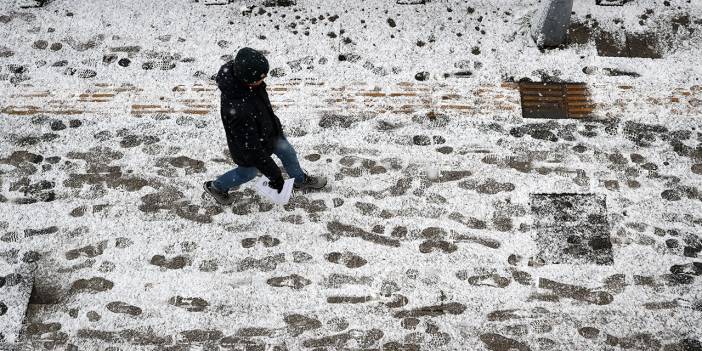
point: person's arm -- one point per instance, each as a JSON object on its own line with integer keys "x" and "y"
{"x": 251, "y": 143}
{"x": 225, "y": 78}
{"x": 268, "y": 167}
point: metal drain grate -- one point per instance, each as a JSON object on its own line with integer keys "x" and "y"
{"x": 555, "y": 100}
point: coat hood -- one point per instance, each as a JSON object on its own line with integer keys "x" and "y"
{"x": 250, "y": 65}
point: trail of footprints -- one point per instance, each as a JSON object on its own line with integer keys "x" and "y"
{"x": 422, "y": 325}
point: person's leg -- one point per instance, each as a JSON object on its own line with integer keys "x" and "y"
{"x": 286, "y": 153}
{"x": 234, "y": 178}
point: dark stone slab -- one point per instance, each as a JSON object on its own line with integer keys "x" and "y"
{"x": 642, "y": 45}
{"x": 578, "y": 33}
{"x": 572, "y": 228}
{"x": 610, "y": 45}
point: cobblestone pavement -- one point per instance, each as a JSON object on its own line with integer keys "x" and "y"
{"x": 450, "y": 222}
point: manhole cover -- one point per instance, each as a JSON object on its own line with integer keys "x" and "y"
{"x": 555, "y": 100}
{"x": 572, "y": 228}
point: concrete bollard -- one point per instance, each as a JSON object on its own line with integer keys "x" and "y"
{"x": 550, "y": 27}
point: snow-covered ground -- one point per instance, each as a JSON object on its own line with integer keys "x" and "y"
{"x": 110, "y": 123}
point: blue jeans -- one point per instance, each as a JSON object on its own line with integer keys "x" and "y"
{"x": 240, "y": 175}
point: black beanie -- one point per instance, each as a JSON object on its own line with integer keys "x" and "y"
{"x": 250, "y": 65}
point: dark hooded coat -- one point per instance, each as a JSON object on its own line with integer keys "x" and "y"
{"x": 249, "y": 122}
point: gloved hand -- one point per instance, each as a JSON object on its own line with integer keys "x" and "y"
{"x": 277, "y": 184}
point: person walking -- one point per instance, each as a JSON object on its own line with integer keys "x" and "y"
{"x": 253, "y": 131}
